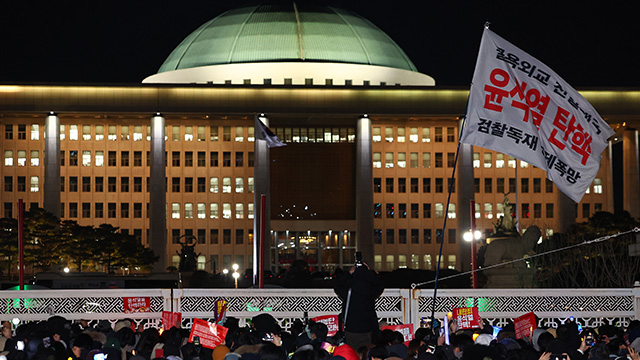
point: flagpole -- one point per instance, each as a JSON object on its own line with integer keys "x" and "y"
{"x": 444, "y": 226}
{"x": 517, "y": 209}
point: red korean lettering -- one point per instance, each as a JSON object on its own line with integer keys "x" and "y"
{"x": 493, "y": 99}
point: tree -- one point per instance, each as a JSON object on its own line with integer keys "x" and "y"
{"x": 43, "y": 244}
{"x": 9, "y": 242}
{"x": 80, "y": 243}
{"x": 600, "y": 264}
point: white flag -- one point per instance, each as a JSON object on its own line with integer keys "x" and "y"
{"x": 519, "y": 106}
{"x": 263, "y": 133}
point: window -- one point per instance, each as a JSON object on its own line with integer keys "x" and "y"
{"x": 597, "y": 186}
{"x": 188, "y": 185}
{"x": 377, "y": 211}
{"x": 8, "y": 132}
{"x": 377, "y": 160}
{"x": 537, "y": 185}
{"x": 213, "y": 159}
{"x": 389, "y": 185}
{"x": 414, "y": 185}
{"x": 201, "y": 133}
{"x": 451, "y": 213}
{"x": 226, "y": 237}
{"x": 476, "y": 160}
{"x": 99, "y": 132}
{"x": 226, "y": 185}
{"x": 549, "y": 210}
{"x": 250, "y": 214}
{"x": 86, "y": 184}
{"x": 22, "y": 132}
{"x": 512, "y": 185}
{"x": 111, "y": 210}
{"x": 388, "y": 160}
{"x": 402, "y": 185}
{"x": 390, "y": 236}
{"x": 99, "y": 158}
{"x": 250, "y": 159}
{"x": 239, "y": 134}
{"x": 8, "y": 183}
{"x": 8, "y": 158}
{"x": 188, "y": 133}
{"x": 213, "y": 210}
{"x": 99, "y": 184}
{"x": 226, "y": 133}
{"x": 99, "y": 210}
{"x": 213, "y": 236}
{"x": 175, "y": 158}
{"x": 488, "y": 210}
{"x": 439, "y": 210}
{"x": 202, "y": 159}
{"x": 451, "y": 159}
{"x": 73, "y": 184}
{"x": 22, "y": 158}
{"x": 35, "y": 157}
{"x": 537, "y": 210}
{"x": 426, "y": 134}
{"x": 438, "y": 134}
{"x": 415, "y": 214}
{"x": 175, "y": 184}
{"x": 451, "y": 134}
{"x": 188, "y": 158}
{"x": 124, "y": 184}
{"x": 524, "y": 185}
{"x": 376, "y": 134}
{"x": 499, "y": 161}
{"x": 226, "y": 159}
{"x": 388, "y": 134}
{"x": 438, "y": 160}
{"x": 500, "y": 185}
{"x": 487, "y": 160}
{"x": 22, "y": 184}
{"x": 73, "y": 210}
{"x": 488, "y": 185}
{"x": 402, "y": 211}
{"x": 451, "y": 260}
{"x": 402, "y": 160}
{"x": 548, "y": 186}
{"x": 377, "y": 236}
{"x": 239, "y": 158}
{"x": 401, "y": 134}
{"x": 413, "y": 160}
{"x": 377, "y": 185}
{"x": 586, "y": 210}
{"x": 413, "y": 134}
{"x": 426, "y": 185}
{"x": 213, "y": 185}
{"x": 124, "y": 132}
{"x": 390, "y": 211}
{"x": 137, "y": 158}
{"x": 525, "y": 211}
{"x": 35, "y": 184}
{"x": 213, "y": 133}
{"x": 137, "y": 184}
{"x": 35, "y": 132}
{"x": 188, "y": 210}
{"x": 202, "y": 185}
{"x": 226, "y": 211}
{"x": 439, "y": 185}
{"x": 239, "y": 185}
{"x": 239, "y": 211}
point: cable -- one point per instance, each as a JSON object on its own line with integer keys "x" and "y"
{"x": 586, "y": 242}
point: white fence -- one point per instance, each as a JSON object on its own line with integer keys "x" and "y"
{"x": 590, "y": 307}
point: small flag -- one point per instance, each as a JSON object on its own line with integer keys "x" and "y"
{"x": 519, "y": 106}
{"x": 263, "y": 133}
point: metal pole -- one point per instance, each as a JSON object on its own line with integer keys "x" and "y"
{"x": 21, "y": 243}
{"x": 474, "y": 258}
{"x": 263, "y": 202}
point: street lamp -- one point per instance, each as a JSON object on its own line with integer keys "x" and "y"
{"x": 236, "y": 275}
{"x": 469, "y": 236}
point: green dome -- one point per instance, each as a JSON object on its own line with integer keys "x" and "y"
{"x": 287, "y": 32}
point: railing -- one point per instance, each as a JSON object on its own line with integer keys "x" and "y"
{"x": 590, "y": 307}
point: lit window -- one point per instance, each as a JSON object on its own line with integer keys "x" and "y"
{"x": 213, "y": 185}
{"x": 201, "y": 134}
{"x": 597, "y": 186}
{"x": 239, "y": 211}
{"x": 401, "y": 134}
{"x": 524, "y": 164}
{"x": 512, "y": 162}
{"x": 413, "y": 158}
{"x": 213, "y": 210}
{"x": 239, "y": 185}
{"x": 188, "y": 133}
{"x": 250, "y": 185}
{"x": 439, "y": 210}
{"x": 8, "y": 158}
{"x": 499, "y": 161}
{"x": 451, "y": 214}
{"x": 226, "y": 211}
{"x": 377, "y": 134}
{"x": 22, "y": 158}
{"x": 86, "y": 158}
{"x": 426, "y": 160}
{"x": 391, "y": 262}
{"x": 137, "y": 133}
{"x": 99, "y": 132}
{"x": 451, "y": 262}
{"x": 426, "y": 135}
{"x": 487, "y": 160}
{"x": 86, "y": 132}
{"x": 124, "y": 132}
{"x": 477, "y": 210}
{"x": 188, "y": 211}
{"x": 488, "y": 210}
{"x": 239, "y": 134}
{"x": 175, "y": 211}
{"x": 35, "y": 132}
{"x": 111, "y": 136}
{"x": 62, "y": 133}
{"x": 377, "y": 160}
{"x": 73, "y": 132}
{"x": 388, "y": 160}
{"x": 226, "y": 185}
{"x": 476, "y": 160}
{"x": 250, "y": 211}
{"x": 175, "y": 133}
{"x": 402, "y": 160}
{"x": 426, "y": 262}
{"x": 413, "y": 134}
{"x": 202, "y": 212}
{"x": 35, "y": 184}
{"x": 35, "y": 158}
{"x": 499, "y": 210}
{"x": 402, "y": 261}
{"x": 99, "y": 158}
{"x": 251, "y": 136}
{"x": 388, "y": 134}
{"x": 377, "y": 262}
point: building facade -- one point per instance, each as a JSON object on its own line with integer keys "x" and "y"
{"x": 371, "y": 150}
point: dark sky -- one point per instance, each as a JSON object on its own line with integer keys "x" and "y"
{"x": 589, "y": 43}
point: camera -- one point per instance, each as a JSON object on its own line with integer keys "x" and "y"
{"x": 359, "y": 262}
{"x": 589, "y": 340}
{"x": 558, "y": 357}
{"x": 20, "y": 345}
{"x": 99, "y": 356}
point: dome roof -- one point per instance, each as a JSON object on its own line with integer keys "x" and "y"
{"x": 287, "y": 32}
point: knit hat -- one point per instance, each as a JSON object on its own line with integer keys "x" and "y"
{"x": 219, "y": 352}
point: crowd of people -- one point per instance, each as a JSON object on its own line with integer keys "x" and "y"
{"x": 60, "y": 339}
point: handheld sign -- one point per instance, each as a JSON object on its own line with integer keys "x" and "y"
{"x": 211, "y": 335}
{"x": 220, "y": 310}
{"x": 467, "y": 318}
{"x": 331, "y": 321}
{"x": 136, "y": 304}
{"x": 171, "y": 319}
{"x": 524, "y": 325}
{"x": 406, "y": 330}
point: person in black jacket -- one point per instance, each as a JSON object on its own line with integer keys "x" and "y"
{"x": 358, "y": 289}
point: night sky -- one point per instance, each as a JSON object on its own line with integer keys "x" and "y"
{"x": 589, "y": 44}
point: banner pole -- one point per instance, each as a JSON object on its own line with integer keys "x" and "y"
{"x": 21, "y": 243}
{"x": 261, "y": 267}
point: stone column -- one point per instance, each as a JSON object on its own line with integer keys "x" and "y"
{"x": 463, "y": 209}
{"x": 158, "y": 194}
{"x": 364, "y": 191}
{"x": 52, "y": 164}
{"x": 262, "y": 185}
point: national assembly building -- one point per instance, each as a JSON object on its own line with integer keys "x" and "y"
{"x": 371, "y": 146}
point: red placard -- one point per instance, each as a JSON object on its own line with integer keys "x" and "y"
{"x": 467, "y": 318}
{"x": 171, "y": 319}
{"x": 524, "y": 325}
{"x": 136, "y": 304}
{"x": 406, "y": 330}
{"x": 211, "y": 335}
{"x": 330, "y": 320}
